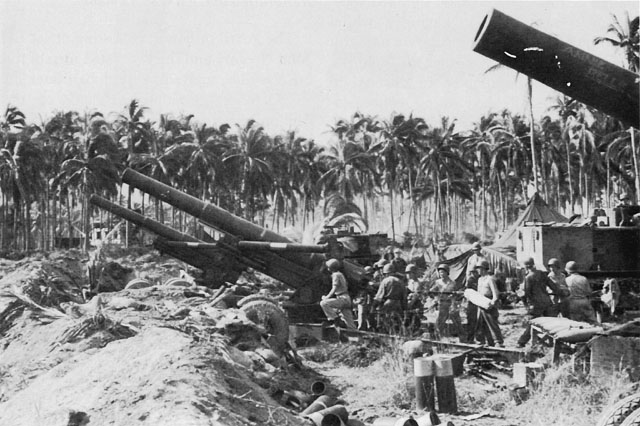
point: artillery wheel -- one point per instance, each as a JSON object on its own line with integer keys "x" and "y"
{"x": 137, "y": 283}
{"x": 253, "y": 297}
{"x": 177, "y": 282}
{"x": 616, "y": 414}
{"x": 272, "y": 318}
{"x": 632, "y": 420}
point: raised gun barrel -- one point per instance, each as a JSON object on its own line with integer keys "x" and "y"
{"x": 215, "y": 216}
{"x": 561, "y": 66}
{"x": 202, "y": 259}
{"x": 221, "y": 261}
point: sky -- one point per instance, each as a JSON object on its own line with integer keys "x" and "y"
{"x": 289, "y": 65}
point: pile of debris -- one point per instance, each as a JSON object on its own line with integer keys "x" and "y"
{"x": 157, "y": 354}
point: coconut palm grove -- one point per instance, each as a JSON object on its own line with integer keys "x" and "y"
{"x": 403, "y": 175}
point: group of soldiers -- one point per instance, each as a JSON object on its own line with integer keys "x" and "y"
{"x": 392, "y": 297}
{"x": 388, "y": 297}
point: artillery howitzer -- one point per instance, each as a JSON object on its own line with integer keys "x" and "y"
{"x": 609, "y": 251}
{"x": 240, "y": 245}
{"x": 561, "y": 66}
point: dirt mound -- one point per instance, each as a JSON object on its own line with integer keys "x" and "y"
{"x": 146, "y": 356}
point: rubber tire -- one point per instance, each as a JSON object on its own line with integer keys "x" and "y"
{"x": 615, "y": 414}
{"x": 253, "y": 297}
{"x": 272, "y": 318}
{"x": 632, "y": 419}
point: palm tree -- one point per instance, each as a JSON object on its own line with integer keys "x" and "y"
{"x": 534, "y": 162}
{"x": 343, "y": 165}
{"x": 364, "y": 130}
{"x": 132, "y": 133}
{"x": 482, "y": 145}
{"x": 625, "y": 36}
{"x": 398, "y": 152}
{"x": 95, "y": 175}
{"x": 443, "y": 167}
{"x": 577, "y": 132}
{"x": 622, "y": 153}
{"x": 248, "y": 163}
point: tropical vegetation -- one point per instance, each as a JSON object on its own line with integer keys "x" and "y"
{"x": 400, "y": 173}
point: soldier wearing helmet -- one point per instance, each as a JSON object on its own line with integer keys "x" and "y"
{"x": 623, "y": 214}
{"x": 488, "y": 327}
{"x": 536, "y": 297}
{"x": 476, "y": 257}
{"x": 391, "y": 298}
{"x": 414, "y": 284}
{"x": 580, "y": 290}
{"x": 416, "y": 294}
{"x": 337, "y": 302}
{"x": 364, "y": 297}
{"x": 561, "y": 301}
{"x": 448, "y": 305}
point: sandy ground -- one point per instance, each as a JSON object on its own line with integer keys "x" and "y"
{"x": 159, "y": 356}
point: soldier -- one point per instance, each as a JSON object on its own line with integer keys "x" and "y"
{"x": 477, "y": 256}
{"x": 536, "y": 297}
{"x": 415, "y": 297}
{"x": 580, "y": 308}
{"x": 364, "y": 298}
{"x": 488, "y": 318}
{"x": 448, "y": 306}
{"x": 561, "y": 300}
{"x": 414, "y": 284}
{"x": 398, "y": 261}
{"x": 472, "y": 310}
{"x": 337, "y": 302}
{"x": 391, "y": 298}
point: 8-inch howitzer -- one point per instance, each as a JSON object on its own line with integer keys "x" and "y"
{"x": 239, "y": 244}
{"x": 561, "y": 66}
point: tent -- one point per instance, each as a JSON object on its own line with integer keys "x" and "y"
{"x": 537, "y": 210}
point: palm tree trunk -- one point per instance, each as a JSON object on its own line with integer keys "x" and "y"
{"x": 534, "y": 162}
{"x": 636, "y": 169}
{"x": 69, "y": 224}
{"x": 571, "y": 201}
{"x": 393, "y": 226}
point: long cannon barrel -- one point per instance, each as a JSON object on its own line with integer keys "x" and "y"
{"x": 561, "y": 66}
{"x": 214, "y": 216}
{"x": 198, "y": 259}
{"x": 226, "y": 261}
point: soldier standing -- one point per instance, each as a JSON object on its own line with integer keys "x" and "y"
{"x": 448, "y": 306}
{"x": 488, "y": 318}
{"x": 536, "y": 297}
{"x": 391, "y": 298}
{"x": 561, "y": 300}
{"x": 580, "y": 308}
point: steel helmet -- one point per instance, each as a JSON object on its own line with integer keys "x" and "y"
{"x": 476, "y": 246}
{"x": 333, "y": 264}
{"x": 444, "y": 267}
{"x": 410, "y": 268}
{"x": 529, "y": 262}
{"x": 388, "y": 269}
{"x": 368, "y": 270}
{"x": 484, "y": 264}
{"x": 571, "y": 266}
{"x": 553, "y": 262}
